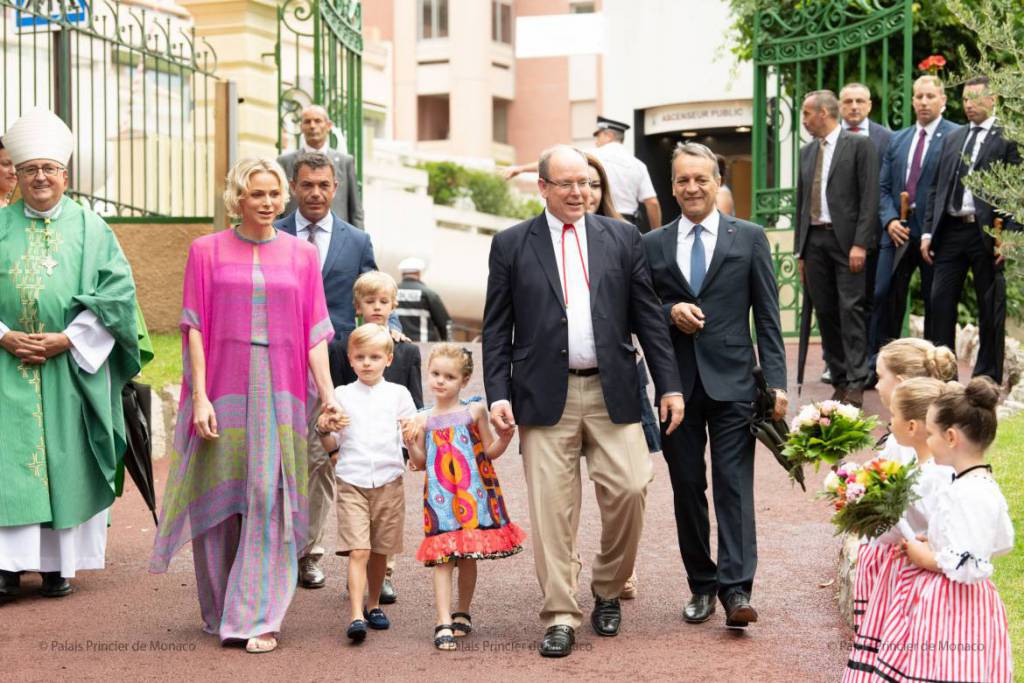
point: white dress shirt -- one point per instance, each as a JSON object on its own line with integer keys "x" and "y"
{"x": 708, "y": 237}
{"x": 628, "y": 178}
{"x": 826, "y": 164}
{"x": 370, "y": 454}
{"x": 967, "y": 208}
{"x": 323, "y": 150}
{"x": 322, "y": 236}
{"x": 576, "y": 289}
{"x": 929, "y": 135}
{"x": 862, "y": 128}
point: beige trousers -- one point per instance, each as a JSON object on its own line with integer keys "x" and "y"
{"x": 321, "y": 492}
{"x": 619, "y": 466}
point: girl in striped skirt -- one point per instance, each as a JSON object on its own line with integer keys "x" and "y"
{"x": 909, "y": 405}
{"x": 897, "y": 361}
{"x": 950, "y": 624}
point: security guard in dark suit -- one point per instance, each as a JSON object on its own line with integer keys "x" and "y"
{"x": 423, "y": 315}
{"x": 955, "y": 240}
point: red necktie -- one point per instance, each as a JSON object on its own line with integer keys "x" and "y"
{"x": 565, "y": 266}
{"x": 854, "y": 129}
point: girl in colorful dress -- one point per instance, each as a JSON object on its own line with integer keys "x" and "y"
{"x": 908, "y": 403}
{"x": 951, "y": 624}
{"x": 898, "y": 360}
{"x": 464, "y": 515}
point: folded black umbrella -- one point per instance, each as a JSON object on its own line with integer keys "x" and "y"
{"x": 805, "y": 339}
{"x": 769, "y": 431}
{"x": 136, "y": 399}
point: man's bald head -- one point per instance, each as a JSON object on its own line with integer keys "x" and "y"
{"x": 316, "y": 126}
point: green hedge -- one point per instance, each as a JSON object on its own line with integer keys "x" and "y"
{"x": 490, "y": 194}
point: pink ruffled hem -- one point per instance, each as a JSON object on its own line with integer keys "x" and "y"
{"x": 475, "y": 544}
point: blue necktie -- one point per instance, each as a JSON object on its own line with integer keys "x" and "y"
{"x": 697, "y": 261}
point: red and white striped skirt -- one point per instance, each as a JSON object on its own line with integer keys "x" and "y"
{"x": 875, "y": 590}
{"x": 944, "y": 631}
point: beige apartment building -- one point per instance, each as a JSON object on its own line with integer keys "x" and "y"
{"x": 459, "y": 90}
{"x": 496, "y": 81}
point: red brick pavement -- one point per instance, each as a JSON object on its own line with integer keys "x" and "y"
{"x": 124, "y": 623}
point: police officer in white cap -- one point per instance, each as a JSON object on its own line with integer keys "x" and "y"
{"x": 628, "y": 178}
{"x": 423, "y": 315}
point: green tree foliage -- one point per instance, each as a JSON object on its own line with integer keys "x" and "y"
{"x": 490, "y": 194}
{"x": 937, "y": 31}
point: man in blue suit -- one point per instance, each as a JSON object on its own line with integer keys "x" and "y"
{"x": 910, "y": 165}
{"x": 346, "y": 252}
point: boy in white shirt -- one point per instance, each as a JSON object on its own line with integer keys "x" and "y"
{"x": 366, "y": 447}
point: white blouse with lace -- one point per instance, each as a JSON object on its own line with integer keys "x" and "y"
{"x": 970, "y": 524}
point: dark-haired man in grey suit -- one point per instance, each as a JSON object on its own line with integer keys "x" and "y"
{"x": 711, "y": 272}
{"x": 836, "y": 227}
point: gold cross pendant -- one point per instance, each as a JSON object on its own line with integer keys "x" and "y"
{"x": 49, "y": 263}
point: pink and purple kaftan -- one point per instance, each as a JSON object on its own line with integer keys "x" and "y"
{"x": 241, "y": 498}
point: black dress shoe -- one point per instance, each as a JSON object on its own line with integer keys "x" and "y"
{"x": 839, "y": 394}
{"x": 738, "y": 612}
{"x": 699, "y": 609}
{"x": 558, "y": 641}
{"x": 606, "y": 617}
{"x": 10, "y": 585}
{"x": 54, "y": 585}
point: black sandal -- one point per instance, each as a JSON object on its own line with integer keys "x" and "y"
{"x": 443, "y": 642}
{"x": 462, "y": 629}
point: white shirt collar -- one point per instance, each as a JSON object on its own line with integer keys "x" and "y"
{"x": 710, "y": 223}
{"x": 51, "y": 213}
{"x": 830, "y": 139}
{"x": 370, "y": 387}
{"x": 302, "y": 223}
{"x": 930, "y": 128}
{"x": 986, "y": 124}
{"x": 556, "y": 224}
{"x": 322, "y": 150}
{"x": 862, "y": 126}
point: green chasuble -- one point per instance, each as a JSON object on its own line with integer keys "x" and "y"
{"x": 62, "y": 429}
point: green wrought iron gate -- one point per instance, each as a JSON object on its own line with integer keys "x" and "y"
{"x": 820, "y": 44}
{"x": 320, "y": 61}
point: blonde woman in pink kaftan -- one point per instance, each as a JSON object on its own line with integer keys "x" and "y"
{"x": 254, "y": 324}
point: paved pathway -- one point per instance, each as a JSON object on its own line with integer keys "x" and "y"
{"x": 124, "y": 623}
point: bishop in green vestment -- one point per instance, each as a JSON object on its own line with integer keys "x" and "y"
{"x": 69, "y": 342}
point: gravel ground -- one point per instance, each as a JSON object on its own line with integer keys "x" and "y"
{"x": 126, "y": 624}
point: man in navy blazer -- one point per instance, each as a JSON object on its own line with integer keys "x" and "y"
{"x": 565, "y": 290}
{"x": 713, "y": 273}
{"x": 910, "y": 166}
{"x": 345, "y": 253}
{"x": 854, "y": 108}
{"x": 954, "y": 238}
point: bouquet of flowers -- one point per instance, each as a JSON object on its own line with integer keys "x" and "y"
{"x": 825, "y": 432}
{"x": 870, "y": 499}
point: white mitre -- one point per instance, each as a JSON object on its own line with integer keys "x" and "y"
{"x": 39, "y": 134}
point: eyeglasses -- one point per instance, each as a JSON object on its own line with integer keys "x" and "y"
{"x": 33, "y": 171}
{"x": 568, "y": 185}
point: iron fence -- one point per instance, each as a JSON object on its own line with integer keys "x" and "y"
{"x": 135, "y": 86}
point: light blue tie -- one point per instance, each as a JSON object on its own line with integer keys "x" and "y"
{"x": 697, "y": 262}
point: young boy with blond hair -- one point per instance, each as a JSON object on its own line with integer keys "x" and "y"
{"x": 366, "y": 446}
{"x": 375, "y": 296}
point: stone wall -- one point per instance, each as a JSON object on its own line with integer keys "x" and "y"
{"x": 157, "y": 253}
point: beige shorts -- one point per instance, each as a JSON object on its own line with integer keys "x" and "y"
{"x": 371, "y": 519}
